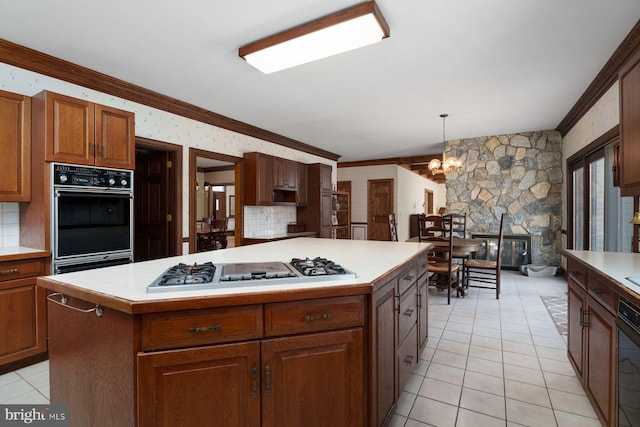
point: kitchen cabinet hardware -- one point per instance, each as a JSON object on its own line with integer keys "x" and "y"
{"x": 408, "y": 360}
{"x": 267, "y": 373}
{"x": 317, "y": 317}
{"x": 206, "y": 328}
{"x": 409, "y": 312}
{"x": 409, "y": 278}
{"x": 10, "y": 271}
{"x": 398, "y": 303}
{"x": 583, "y": 318}
{"x": 596, "y": 291}
{"x": 254, "y": 376}
{"x": 64, "y": 302}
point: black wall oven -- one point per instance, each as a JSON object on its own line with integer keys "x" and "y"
{"x": 628, "y": 322}
{"x": 92, "y": 217}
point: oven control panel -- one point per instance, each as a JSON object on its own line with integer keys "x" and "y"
{"x": 86, "y": 176}
{"x": 629, "y": 313}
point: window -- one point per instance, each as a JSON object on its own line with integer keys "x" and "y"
{"x": 598, "y": 217}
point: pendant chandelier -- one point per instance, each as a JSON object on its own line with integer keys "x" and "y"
{"x": 448, "y": 164}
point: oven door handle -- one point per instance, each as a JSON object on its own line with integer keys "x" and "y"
{"x": 80, "y": 194}
{"x": 628, "y": 331}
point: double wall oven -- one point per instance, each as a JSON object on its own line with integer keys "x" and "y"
{"x": 92, "y": 217}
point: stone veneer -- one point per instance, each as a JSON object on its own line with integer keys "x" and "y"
{"x": 517, "y": 174}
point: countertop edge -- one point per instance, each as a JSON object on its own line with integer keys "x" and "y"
{"x": 625, "y": 290}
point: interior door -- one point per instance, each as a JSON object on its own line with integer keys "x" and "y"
{"x": 151, "y": 206}
{"x": 379, "y": 206}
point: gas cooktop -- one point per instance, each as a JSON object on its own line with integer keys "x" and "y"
{"x": 185, "y": 277}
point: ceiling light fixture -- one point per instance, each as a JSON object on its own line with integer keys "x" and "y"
{"x": 348, "y": 29}
{"x": 448, "y": 164}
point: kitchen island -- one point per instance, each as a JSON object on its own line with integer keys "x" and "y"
{"x": 330, "y": 352}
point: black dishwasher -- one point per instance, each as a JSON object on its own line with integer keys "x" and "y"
{"x": 628, "y": 322}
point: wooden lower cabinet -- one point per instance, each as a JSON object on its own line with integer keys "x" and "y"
{"x": 22, "y": 314}
{"x": 592, "y": 339}
{"x": 215, "y": 385}
{"x": 400, "y": 321}
{"x": 294, "y": 380}
{"x": 313, "y": 379}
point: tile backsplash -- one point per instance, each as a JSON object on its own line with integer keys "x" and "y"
{"x": 9, "y": 224}
{"x": 267, "y": 220}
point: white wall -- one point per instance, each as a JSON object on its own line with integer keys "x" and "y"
{"x": 157, "y": 125}
{"x": 408, "y": 192}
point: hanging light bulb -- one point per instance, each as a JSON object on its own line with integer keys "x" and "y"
{"x": 448, "y": 164}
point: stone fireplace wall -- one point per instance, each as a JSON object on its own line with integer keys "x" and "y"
{"x": 519, "y": 175}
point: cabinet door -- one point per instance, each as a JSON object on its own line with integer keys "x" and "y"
{"x": 630, "y": 127}
{"x": 22, "y": 317}
{"x": 602, "y": 359}
{"x": 301, "y": 185}
{"x": 15, "y": 140}
{"x": 217, "y": 386}
{"x": 423, "y": 315}
{"x": 575, "y": 318}
{"x": 314, "y": 379}
{"x": 115, "y": 140}
{"x": 383, "y": 381}
{"x": 69, "y": 133}
{"x": 285, "y": 172}
{"x": 325, "y": 178}
{"x": 325, "y": 209}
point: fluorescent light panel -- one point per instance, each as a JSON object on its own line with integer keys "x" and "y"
{"x": 349, "y": 29}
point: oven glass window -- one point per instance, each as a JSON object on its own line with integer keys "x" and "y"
{"x": 93, "y": 223}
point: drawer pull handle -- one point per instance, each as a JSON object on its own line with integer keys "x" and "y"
{"x": 309, "y": 318}
{"x": 254, "y": 375}
{"x": 408, "y": 278}
{"x": 408, "y": 312}
{"x": 206, "y": 328}
{"x": 596, "y": 291}
{"x": 267, "y": 372}
{"x": 10, "y": 271}
{"x": 63, "y": 302}
{"x": 408, "y": 360}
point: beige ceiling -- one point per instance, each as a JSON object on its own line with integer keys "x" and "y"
{"x": 495, "y": 66}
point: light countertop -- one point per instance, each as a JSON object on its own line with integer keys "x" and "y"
{"x": 617, "y": 266}
{"x": 368, "y": 259}
{"x": 11, "y": 253}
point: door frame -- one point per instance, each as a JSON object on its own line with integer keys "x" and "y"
{"x": 370, "y": 225}
{"x": 174, "y": 193}
{"x": 194, "y": 153}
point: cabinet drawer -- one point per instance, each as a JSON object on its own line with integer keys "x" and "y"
{"x": 10, "y": 270}
{"x": 407, "y": 313}
{"x": 313, "y": 315}
{"x": 407, "y": 359}
{"x": 407, "y": 278}
{"x": 577, "y": 273}
{"x": 200, "y": 327}
{"x": 603, "y": 294}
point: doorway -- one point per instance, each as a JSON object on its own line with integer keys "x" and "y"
{"x": 379, "y": 206}
{"x": 428, "y": 202}
{"x": 219, "y": 200}
{"x": 157, "y": 203}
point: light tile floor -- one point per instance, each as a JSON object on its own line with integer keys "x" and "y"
{"x": 488, "y": 363}
{"x": 495, "y": 362}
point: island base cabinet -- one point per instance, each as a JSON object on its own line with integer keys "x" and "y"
{"x": 313, "y": 380}
{"x": 215, "y": 385}
{"x": 90, "y": 363}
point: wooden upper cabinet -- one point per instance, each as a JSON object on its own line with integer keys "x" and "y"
{"x": 258, "y": 178}
{"x": 81, "y": 132}
{"x": 285, "y": 172}
{"x": 630, "y": 127}
{"x": 15, "y": 140}
{"x": 115, "y": 138}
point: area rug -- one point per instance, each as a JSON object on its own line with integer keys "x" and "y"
{"x": 557, "y": 308}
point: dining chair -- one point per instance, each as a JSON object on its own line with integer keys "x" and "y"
{"x": 486, "y": 273}
{"x": 218, "y": 233}
{"x": 459, "y": 229}
{"x": 444, "y": 273}
{"x": 393, "y": 227}
{"x": 429, "y": 225}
